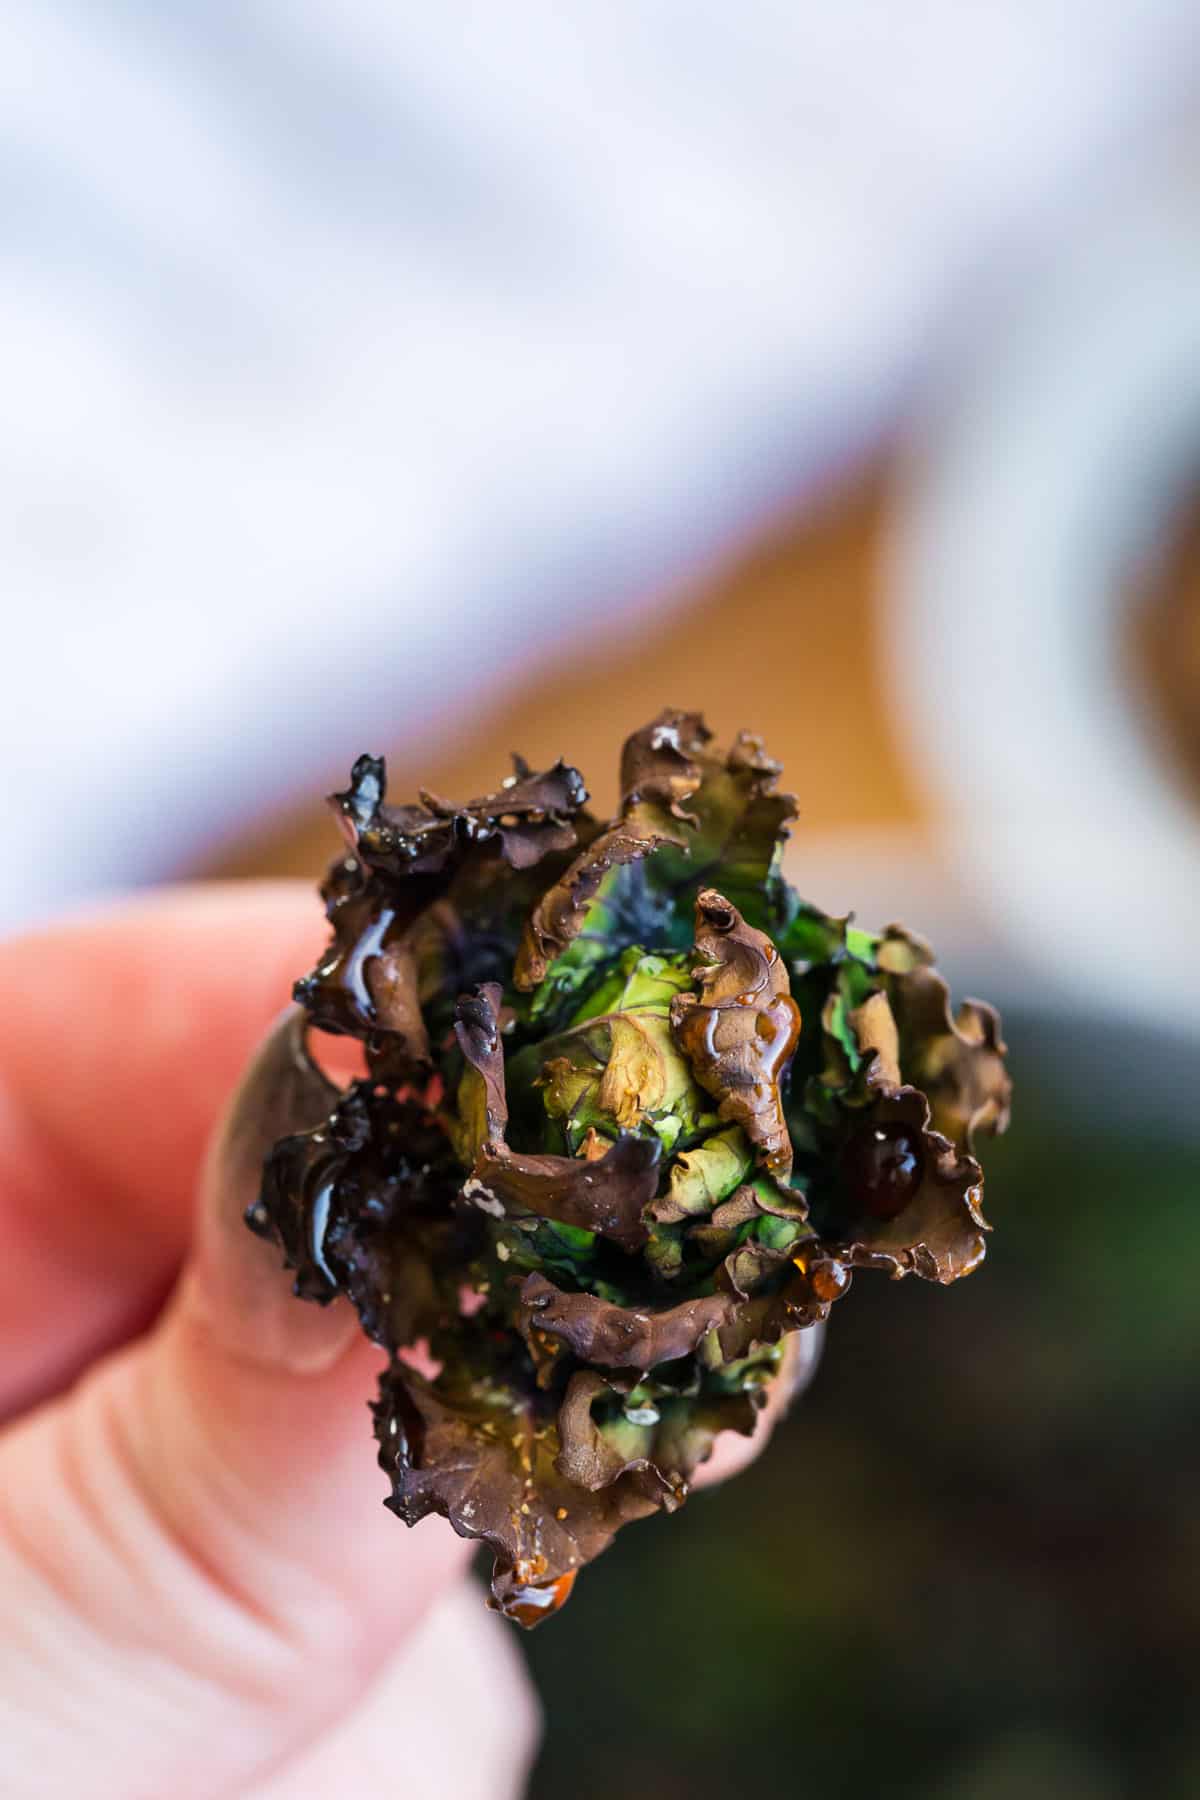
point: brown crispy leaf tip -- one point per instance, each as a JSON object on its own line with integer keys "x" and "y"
{"x": 633, "y": 1115}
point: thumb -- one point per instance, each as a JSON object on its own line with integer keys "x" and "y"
{"x": 193, "y": 1555}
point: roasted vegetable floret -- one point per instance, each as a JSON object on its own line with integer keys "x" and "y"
{"x": 633, "y": 1114}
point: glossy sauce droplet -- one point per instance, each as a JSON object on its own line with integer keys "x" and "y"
{"x": 881, "y": 1167}
{"x": 827, "y": 1277}
{"x": 538, "y": 1600}
{"x": 829, "y": 1281}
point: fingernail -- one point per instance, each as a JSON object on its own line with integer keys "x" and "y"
{"x": 236, "y": 1282}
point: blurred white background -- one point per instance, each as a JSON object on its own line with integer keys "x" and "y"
{"x": 341, "y": 340}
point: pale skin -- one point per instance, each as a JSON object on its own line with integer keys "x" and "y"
{"x": 200, "y": 1592}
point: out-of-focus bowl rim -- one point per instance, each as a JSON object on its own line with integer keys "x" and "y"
{"x": 1043, "y": 479}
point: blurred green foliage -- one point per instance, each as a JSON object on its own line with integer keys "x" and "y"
{"x": 968, "y": 1567}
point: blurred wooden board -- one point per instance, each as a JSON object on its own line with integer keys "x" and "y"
{"x": 782, "y": 638}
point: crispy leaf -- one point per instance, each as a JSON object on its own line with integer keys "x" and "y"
{"x": 620, "y": 1070}
{"x": 364, "y": 1205}
{"x": 483, "y": 1454}
{"x": 873, "y": 1028}
{"x": 665, "y": 1441}
{"x": 607, "y": 1196}
{"x": 906, "y": 1200}
{"x": 741, "y": 825}
{"x": 957, "y": 1059}
{"x": 811, "y": 937}
{"x": 366, "y": 981}
{"x": 594, "y": 1458}
{"x": 643, "y": 1074}
{"x": 619, "y": 1337}
{"x": 634, "y": 1114}
{"x": 529, "y": 815}
{"x": 482, "y": 1099}
{"x": 806, "y": 1286}
{"x": 660, "y": 771}
{"x": 701, "y": 1178}
{"x": 403, "y": 861}
{"x": 739, "y": 1035}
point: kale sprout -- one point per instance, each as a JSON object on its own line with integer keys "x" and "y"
{"x": 633, "y": 1114}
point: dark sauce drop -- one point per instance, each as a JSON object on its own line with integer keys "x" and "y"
{"x": 827, "y": 1278}
{"x": 881, "y": 1167}
{"x": 538, "y": 1600}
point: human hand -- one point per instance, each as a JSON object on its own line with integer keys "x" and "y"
{"x": 200, "y": 1592}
